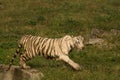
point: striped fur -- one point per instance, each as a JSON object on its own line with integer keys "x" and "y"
{"x": 57, "y": 48}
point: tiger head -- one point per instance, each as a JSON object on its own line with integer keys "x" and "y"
{"x": 75, "y": 41}
{"x": 78, "y": 42}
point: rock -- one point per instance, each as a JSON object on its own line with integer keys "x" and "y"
{"x": 93, "y": 41}
{"x": 96, "y": 33}
{"x": 15, "y": 73}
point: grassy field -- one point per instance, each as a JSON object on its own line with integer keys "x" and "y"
{"x": 56, "y": 18}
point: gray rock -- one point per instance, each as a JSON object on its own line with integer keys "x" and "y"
{"x": 93, "y": 41}
{"x": 15, "y": 73}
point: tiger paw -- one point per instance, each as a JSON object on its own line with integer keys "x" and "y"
{"x": 77, "y": 67}
{"x": 25, "y": 67}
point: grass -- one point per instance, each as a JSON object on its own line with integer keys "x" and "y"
{"x": 54, "y": 18}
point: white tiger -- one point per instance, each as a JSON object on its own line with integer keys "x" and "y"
{"x": 57, "y": 48}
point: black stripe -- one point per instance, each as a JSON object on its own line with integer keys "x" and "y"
{"x": 28, "y": 55}
{"x": 36, "y": 44}
{"x": 43, "y": 51}
{"x": 49, "y": 47}
{"x": 33, "y": 44}
{"x": 39, "y": 44}
{"x": 24, "y": 58}
{"x": 60, "y": 44}
{"x": 43, "y": 43}
{"x": 52, "y": 46}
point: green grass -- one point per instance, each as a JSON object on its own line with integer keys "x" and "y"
{"x": 56, "y": 18}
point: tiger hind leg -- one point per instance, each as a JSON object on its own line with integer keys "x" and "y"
{"x": 23, "y": 62}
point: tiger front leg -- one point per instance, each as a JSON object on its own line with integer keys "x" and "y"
{"x": 70, "y": 62}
